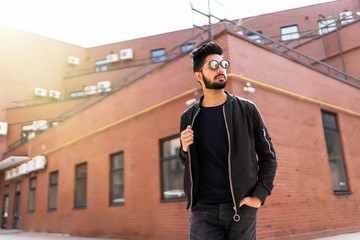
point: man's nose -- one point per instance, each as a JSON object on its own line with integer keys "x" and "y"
{"x": 220, "y": 70}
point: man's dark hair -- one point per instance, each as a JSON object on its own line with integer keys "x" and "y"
{"x": 199, "y": 54}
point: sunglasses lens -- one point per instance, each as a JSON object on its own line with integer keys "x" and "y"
{"x": 225, "y": 64}
{"x": 214, "y": 64}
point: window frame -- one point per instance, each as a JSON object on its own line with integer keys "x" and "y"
{"x": 27, "y": 132}
{"x": 17, "y": 205}
{"x": 5, "y": 207}
{"x": 290, "y": 35}
{"x": 255, "y": 37}
{"x": 53, "y": 185}
{"x": 166, "y": 159}
{"x": 32, "y": 195}
{"x": 158, "y": 58}
{"x": 326, "y": 25}
{"x": 101, "y": 65}
{"x": 79, "y": 180}
{"x": 114, "y": 171}
{"x": 77, "y": 94}
{"x": 343, "y": 169}
{"x": 187, "y": 47}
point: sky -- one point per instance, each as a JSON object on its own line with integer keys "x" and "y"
{"x": 90, "y": 23}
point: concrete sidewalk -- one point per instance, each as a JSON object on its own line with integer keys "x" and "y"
{"x": 13, "y": 234}
{"x": 347, "y": 236}
{"x": 20, "y": 235}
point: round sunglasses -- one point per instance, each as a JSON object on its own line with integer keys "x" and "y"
{"x": 215, "y": 64}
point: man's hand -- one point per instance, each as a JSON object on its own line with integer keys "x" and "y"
{"x": 187, "y": 138}
{"x": 251, "y": 201}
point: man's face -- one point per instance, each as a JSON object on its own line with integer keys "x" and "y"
{"x": 213, "y": 78}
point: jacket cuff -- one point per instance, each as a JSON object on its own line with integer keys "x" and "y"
{"x": 261, "y": 193}
{"x": 183, "y": 154}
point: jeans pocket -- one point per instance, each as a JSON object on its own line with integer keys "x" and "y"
{"x": 254, "y": 208}
{"x": 248, "y": 213}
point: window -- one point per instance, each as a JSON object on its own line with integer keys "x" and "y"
{"x": 187, "y": 47}
{"x": 53, "y": 191}
{"x": 27, "y": 132}
{"x": 101, "y": 66}
{"x": 17, "y": 205}
{"x": 5, "y": 209}
{"x": 117, "y": 178}
{"x": 78, "y": 94}
{"x": 32, "y": 193}
{"x": 336, "y": 161}
{"x": 80, "y": 185}
{"x": 326, "y": 26}
{"x": 172, "y": 171}
{"x": 158, "y": 55}
{"x": 290, "y": 32}
{"x": 255, "y": 37}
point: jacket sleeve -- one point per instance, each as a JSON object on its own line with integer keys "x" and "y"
{"x": 182, "y": 155}
{"x": 266, "y": 158}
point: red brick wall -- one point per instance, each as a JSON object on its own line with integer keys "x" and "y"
{"x": 302, "y": 200}
{"x": 305, "y": 17}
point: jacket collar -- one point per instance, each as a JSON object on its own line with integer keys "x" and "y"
{"x": 198, "y": 103}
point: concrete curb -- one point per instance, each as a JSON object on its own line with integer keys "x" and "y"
{"x": 8, "y": 231}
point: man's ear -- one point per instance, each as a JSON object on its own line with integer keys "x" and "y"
{"x": 198, "y": 76}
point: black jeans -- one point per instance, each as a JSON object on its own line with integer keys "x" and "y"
{"x": 215, "y": 222}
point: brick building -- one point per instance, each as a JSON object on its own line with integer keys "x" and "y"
{"x": 97, "y": 155}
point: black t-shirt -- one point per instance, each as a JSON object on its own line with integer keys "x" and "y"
{"x": 211, "y": 141}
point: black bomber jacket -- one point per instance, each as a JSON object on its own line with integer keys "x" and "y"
{"x": 251, "y": 160}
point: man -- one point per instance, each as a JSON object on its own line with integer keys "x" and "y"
{"x": 221, "y": 134}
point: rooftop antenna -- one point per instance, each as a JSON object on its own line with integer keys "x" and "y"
{"x": 209, "y": 16}
{"x": 210, "y": 31}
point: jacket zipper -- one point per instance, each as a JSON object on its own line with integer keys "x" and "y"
{"x": 236, "y": 216}
{"x": 264, "y": 132}
{"x": 191, "y": 178}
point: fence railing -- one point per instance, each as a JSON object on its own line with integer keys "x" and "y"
{"x": 285, "y": 50}
{"x": 175, "y": 52}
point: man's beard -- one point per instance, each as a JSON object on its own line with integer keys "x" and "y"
{"x": 214, "y": 85}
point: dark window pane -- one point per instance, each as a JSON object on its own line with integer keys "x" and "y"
{"x": 172, "y": 171}
{"x": 158, "y": 55}
{"x": 80, "y": 185}
{"x": 187, "y": 47}
{"x": 335, "y": 155}
{"x": 53, "y": 191}
{"x": 117, "y": 179}
{"x": 32, "y": 194}
{"x": 290, "y": 32}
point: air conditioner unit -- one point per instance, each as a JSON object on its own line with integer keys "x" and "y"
{"x": 104, "y": 86}
{"x": 30, "y": 166}
{"x": 3, "y": 128}
{"x": 112, "y": 58}
{"x": 8, "y": 175}
{"x": 73, "y": 60}
{"x": 40, "y": 125}
{"x": 22, "y": 169}
{"x": 54, "y": 94}
{"x": 90, "y": 90}
{"x": 11, "y": 174}
{"x": 14, "y": 172}
{"x": 346, "y": 17}
{"x": 41, "y": 92}
{"x": 39, "y": 162}
{"x": 126, "y": 54}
